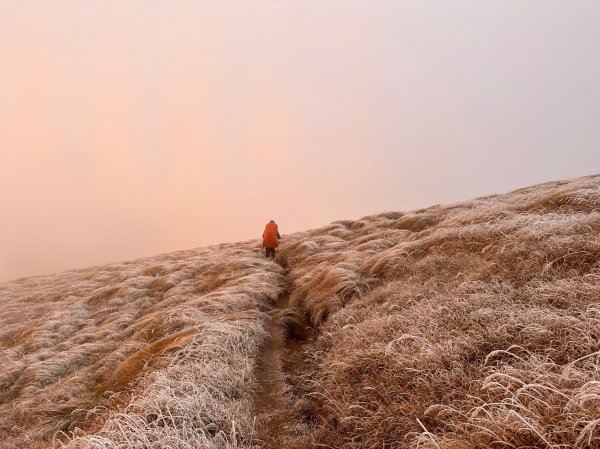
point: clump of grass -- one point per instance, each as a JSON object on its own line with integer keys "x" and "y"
{"x": 292, "y": 321}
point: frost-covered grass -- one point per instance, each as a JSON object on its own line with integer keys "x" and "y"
{"x": 471, "y": 325}
{"x": 157, "y": 352}
{"x": 202, "y": 399}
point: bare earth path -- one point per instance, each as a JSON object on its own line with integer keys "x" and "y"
{"x": 282, "y": 369}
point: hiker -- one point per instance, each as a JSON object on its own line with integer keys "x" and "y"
{"x": 271, "y": 238}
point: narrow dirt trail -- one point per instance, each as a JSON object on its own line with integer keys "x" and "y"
{"x": 282, "y": 369}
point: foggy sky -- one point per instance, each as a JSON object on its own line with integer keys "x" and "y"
{"x": 131, "y": 128}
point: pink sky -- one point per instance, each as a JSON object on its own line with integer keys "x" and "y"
{"x": 130, "y": 128}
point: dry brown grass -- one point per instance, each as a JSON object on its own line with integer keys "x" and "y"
{"x": 133, "y": 366}
{"x": 81, "y": 351}
{"x": 471, "y": 325}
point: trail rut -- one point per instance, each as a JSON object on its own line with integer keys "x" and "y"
{"x": 283, "y": 368}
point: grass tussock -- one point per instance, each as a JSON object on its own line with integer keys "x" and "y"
{"x": 130, "y": 368}
{"x": 292, "y": 322}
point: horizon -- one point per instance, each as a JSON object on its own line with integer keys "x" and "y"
{"x": 133, "y": 129}
{"x": 145, "y": 256}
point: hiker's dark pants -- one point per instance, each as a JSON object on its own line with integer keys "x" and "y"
{"x": 270, "y": 252}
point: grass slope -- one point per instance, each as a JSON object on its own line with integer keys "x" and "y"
{"x": 152, "y": 353}
{"x": 469, "y": 325}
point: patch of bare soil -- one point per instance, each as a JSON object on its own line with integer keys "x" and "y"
{"x": 283, "y": 370}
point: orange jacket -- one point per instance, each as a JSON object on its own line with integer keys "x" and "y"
{"x": 271, "y": 236}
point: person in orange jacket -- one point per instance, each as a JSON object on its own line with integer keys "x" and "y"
{"x": 271, "y": 238}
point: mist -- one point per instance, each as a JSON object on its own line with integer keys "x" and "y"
{"x": 132, "y": 128}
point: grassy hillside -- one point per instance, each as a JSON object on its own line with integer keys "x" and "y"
{"x": 469, "y": 325}
{"x": 149, "y": 353}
